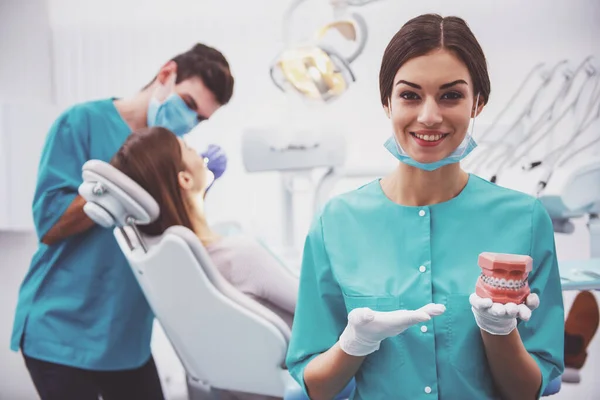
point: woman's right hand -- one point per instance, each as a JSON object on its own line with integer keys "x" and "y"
{"x": 367, "y": 328}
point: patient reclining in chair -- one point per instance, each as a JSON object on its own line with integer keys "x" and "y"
{"x": 177, "y": 178}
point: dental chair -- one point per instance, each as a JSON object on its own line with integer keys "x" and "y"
{"x": 574, "y": 192}
{"x": 224, "y": 339}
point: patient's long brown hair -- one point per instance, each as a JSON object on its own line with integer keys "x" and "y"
{"x": 152, "y": 158}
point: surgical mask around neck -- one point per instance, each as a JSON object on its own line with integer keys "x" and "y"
{"x": 464, "y": 149}
{"x": 172, "y": 113}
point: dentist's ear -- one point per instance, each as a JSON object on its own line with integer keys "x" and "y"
{"x": 166, "y": 78}
{"x": 167, "y": 73}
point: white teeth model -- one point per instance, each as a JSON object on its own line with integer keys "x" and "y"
{"x": 429, "y": 138}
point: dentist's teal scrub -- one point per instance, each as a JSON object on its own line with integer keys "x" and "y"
{"x": 367, "y": 251}
{"x": 79, "y": 304}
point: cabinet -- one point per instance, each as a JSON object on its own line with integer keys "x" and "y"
{"x": 23, "y": 130}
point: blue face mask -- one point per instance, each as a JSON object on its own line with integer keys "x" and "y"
{"x": 463, "y": 150}
{"x": 172, "y": 114}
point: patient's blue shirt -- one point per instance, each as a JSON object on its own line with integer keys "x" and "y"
{"x": 80, "y": 304}
{"x": 366, "y": 251}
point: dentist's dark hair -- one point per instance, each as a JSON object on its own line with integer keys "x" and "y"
{"x": 208, "y": 64}
{"x": 152, "y": 158}
{"x": 429, "y": 32}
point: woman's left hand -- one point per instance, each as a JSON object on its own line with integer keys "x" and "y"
{"x": 498, "y": 318}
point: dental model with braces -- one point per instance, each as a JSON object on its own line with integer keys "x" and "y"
{"x": 504, "y": 277}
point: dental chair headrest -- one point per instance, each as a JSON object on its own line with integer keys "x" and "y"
{"x": 112, "y": 198}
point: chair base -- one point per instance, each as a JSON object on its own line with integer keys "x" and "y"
{"x": 571, "y": 375}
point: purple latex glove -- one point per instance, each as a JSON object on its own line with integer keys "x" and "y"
{"x": 217, "y": 160}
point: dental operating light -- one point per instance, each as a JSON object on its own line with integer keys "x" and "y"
{"x": 314, "y": 69}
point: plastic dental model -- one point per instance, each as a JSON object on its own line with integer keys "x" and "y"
{"x": 504, "y": 277}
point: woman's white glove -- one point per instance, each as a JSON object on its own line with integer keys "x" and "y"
{"x": 367, "y": 328}
{"x": 498, "y": 318}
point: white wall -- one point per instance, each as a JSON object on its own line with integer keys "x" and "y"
{"x": 25, "y": 66}
{"x": 16, "y": 250}
{"x": 114, "y": 47}
{"x": 25, "y": 90}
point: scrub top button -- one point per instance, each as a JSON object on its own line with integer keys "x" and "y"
{"x": 423, "y": 329}
{"x": 427, "y": 389}
{"x": 422, "y": 213}
{"x": 422, "y": 268}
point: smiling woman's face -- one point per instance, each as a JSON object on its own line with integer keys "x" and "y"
{"x": 431, "y": 105}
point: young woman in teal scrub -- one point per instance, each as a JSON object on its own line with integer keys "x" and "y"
{"x": 389, "y": 270}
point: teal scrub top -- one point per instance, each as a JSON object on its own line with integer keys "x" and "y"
{"x": 366, "y": 251}
{"x": 80, "y": 304}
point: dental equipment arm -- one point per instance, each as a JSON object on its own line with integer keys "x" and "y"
{"x": 544, "y": 74}
{"x": 327, "y": 374}
{"x": 561, "y": 155}
{"x": 558, "y": 158}
{"x": 578, "y": 128}
{"x": 545, "y": 126}
{"x": 537, "y": 120}
{"x": 74, "y": 221}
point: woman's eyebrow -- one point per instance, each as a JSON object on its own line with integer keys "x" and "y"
{"x": 456, "y": 82}
{"x": 444, "y": 86}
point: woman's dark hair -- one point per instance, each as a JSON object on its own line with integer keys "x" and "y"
{"x": 429, "y": 32}
{"x": 152, "y": 158}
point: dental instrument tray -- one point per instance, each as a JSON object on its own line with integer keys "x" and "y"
{"x": 580, "y": 274}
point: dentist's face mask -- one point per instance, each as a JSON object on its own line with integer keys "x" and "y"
{"x": 464, "y": 149}
{"x": 171, "y": 113}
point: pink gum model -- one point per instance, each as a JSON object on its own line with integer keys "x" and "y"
{"x": 504, "y": 277}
